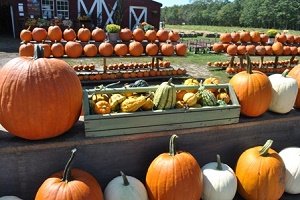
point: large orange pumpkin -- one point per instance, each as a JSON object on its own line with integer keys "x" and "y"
{"x": 295, "y": 73}
{"x": 40, "y": 97}
{"x": 106, "y": 49}
{"x": 254, "y": 36}
{"x": 150, "y": 35}
{"x": 175, "y": 175}
{"x": 162, "y": 35}
{"x": 261, "y": 173}
{"x": 253, "y": 90}
{"x": 135, "y": 48}
{"x": 125, "y": 34}
{"x": 277, "y": 48}
{"x": 180, "y": 49}
{"x": 90, "y": 50}
{"x": 138, "y": 34}
{"x": 98, "y": 34}
{"x": 121, "y": 49}
{"x": 71, "y": 184}
{"x": 73, "y": 49}
{"x": 55, "y": 33}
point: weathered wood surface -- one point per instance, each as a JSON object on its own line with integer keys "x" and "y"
{"x": 26, "y": 164}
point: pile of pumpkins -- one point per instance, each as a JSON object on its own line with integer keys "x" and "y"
{"x": 260, "y": 173}
{"x": 58, "y": 43}
{"x": 166, "y": 96}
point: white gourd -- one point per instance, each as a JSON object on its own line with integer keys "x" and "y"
{"x": 219, "y": 181}
{"x": 125, "y": 188}
{"x": 291, "y": 159}
{"x": 284, "y": 92}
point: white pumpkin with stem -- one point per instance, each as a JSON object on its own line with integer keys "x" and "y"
{"x": 291, "y": 159}
{"x": 284, "y": 92}
{"x": 219, "y": 181}
{"x": 125, "y": 188}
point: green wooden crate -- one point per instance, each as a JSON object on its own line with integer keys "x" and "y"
{"x": 97, "y": 125}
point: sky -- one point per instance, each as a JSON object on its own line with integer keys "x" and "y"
{"x": 168, "y": 3}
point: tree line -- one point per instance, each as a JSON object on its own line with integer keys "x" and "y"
{"x": 282, "y": 14}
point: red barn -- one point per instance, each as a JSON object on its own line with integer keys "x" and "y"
{"x": 17, "y": 14}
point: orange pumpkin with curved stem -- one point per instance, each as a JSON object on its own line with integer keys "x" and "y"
{"x": 253, "y": 90}
{"x": 72, "y": 184}
{"x": 261, "y": 173}
{"x": 25, "y": 35}
{"x": 55, "y": 33}
{"x": 175, "y": 175}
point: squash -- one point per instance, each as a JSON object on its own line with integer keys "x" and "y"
{"x": 261, "y": 173}
{"x": 190, "y": 99}
{"x": 132, "y": 104}
{"x": 219, "y": 181}
{"x": 253, "y": 90}
{"x": 284, "y": 92}
{"x": 102, "y": 107}
{"x": 193, "y": 82}
{"x": 165, "y": 96}
{"x": 44, "y": 101}
{"x": 291, "y": 159}
{"x": 211, "y": 80}
{"x": 115, "y": 100}
{"x": 174, "y": 175}
{"x": 71, "y": 184}
{"x": 206, "y": 97}
{"x": 139, "y": 83}
{"x": 125, "y": 187}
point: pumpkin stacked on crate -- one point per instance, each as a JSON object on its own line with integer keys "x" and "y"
{"x": 258, "y": 45}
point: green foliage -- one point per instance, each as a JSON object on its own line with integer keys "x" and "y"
{"x": 272, "y": 32}
{"x": 112, "y": 28}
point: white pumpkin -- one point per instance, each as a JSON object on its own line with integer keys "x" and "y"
{"x": 284, "y": 92}
{"x": 10, "y": 198}
{"x": 219, "y": 181}
{"x": 125, "y": 188}
{"x": 291, "y": 159}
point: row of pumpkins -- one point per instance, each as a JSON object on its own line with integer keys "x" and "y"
{"x": 260, "y": 173}
{"x": 165, "y": 97}
{"x": 75, "y": 49}
{"x": 54, "y": 33}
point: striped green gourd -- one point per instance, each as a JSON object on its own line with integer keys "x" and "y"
{"x": 165, "y": 96}
{"x": 206, "y": 97}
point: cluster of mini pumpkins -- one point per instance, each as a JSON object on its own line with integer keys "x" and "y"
{"x": 93, "y": 43}
{"x": 257, "y": 92}
{"x": 260, "y": 172}
{"x": 165, "y": 96}
{"x": 256, "y": 43}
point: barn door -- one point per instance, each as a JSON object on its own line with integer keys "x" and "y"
{"x": 137, "y": 15}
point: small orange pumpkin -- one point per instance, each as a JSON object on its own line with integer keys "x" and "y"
{"x": 150, "y": 35}
{"x": 102, "y": 107}
{"x": 138, "y": 34}
{"x": 26, "y": 49}
{"x": 69, "y": 34}
{"x": 162, "y": 35}
{"x": 180, "y": 49}
{"x": 174, "y": 36}
{"x": 151, "y": 49}
{"x": 232, "y": 49}
{"x": 277, "y": 48}
{"x": 55, "y": 33}
{"x": 84, "y": 34}
{"x": 90, "y": 50}
{"x": 245, "y": 36}
{"x": 121, "y": 49}
{"x": 25, "y": 35}
{"x": 73, "y": 49}
{"x": 57, "y": 50}
{"x": 39, "y": 34}
{"x": 135, "y": 48}
{"x": 125, "y": 34}
{"x": 225, "y": 37}
{"x": 167, "y": 49}
{"x": 254, "y": 36}
{"x": 106, "y": 49}
{"x": 98, "y": 34}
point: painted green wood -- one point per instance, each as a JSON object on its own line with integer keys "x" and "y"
{"x": 158, "y": 120}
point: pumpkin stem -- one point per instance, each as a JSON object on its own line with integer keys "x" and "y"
{"x": 285, "y": 72}
{"x": 38, "y": 51}
{"x": 125, "y": 180}
{"x": 219, "y": 163}
{"x": 249, "y": 65}
{"x": 67, "y": 170}
{"x": 264, "y": 150}
{"x": 172, "y": 149}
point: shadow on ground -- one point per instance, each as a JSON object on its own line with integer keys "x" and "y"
{"x": 9, "y": 44}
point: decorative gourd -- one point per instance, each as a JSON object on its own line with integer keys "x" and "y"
{"x": 71, "y": 184}
{"x": 165, "y": 96}
{"x": 190, "y": 99}
{"x": 223, "y": 96}
{"x": 45, "y": 100}
{"x": 125, "y": 187}
{"x": 219, "y": 181}
{"x": 10, "y": 198}
{"x": 73, "y": 49}
{"x": 55, "y": 33}
{"x": 132, "y": 104}
{"x": 148, "y": 105}
{"x": 139, "y": 83}
{"x": 115, "y": 101}
{"x": 175, "y": 175}
{"x": 102, "y": 107}
{"x": 253, "y": 90}
{"x": 295, "y": 73}
{"x": 284, "y": 92}
{"x": 206, "y": 97}
{"x": 261, "y": 173}
{"x": 211, "y": 80}
{"x": 191, "y": 81}
{"x": 291, "y": 159}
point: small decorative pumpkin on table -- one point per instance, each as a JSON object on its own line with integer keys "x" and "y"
{"x": 175, "y": 175}
{"x": 125, "y": 187}
{"x": 219, "y": 181}
{"x": 261, "y": 173}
